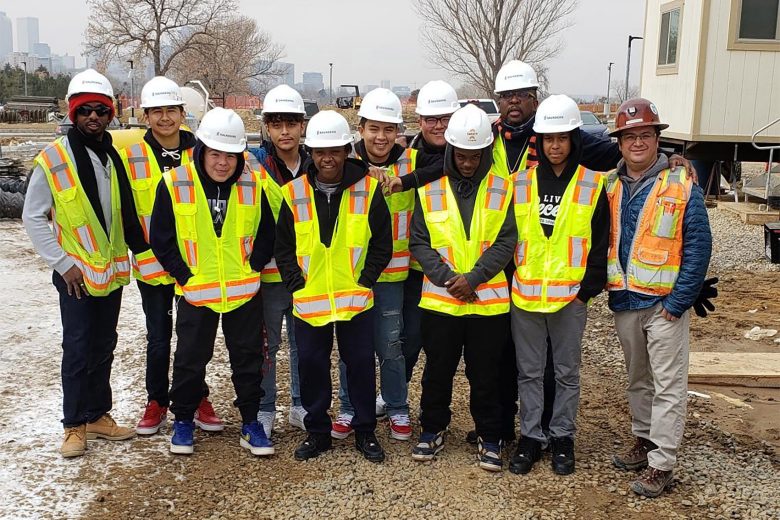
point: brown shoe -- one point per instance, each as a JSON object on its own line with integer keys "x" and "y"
{"x": 636, "y": 458}
{"x": 74, "y": 443}
{"x": 652, "y": 482}
{"x": 107, "y": 428}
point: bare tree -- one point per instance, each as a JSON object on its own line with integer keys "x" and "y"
{"x": 236, "y": 57}
{"x": 159, "y": 29}
{"x": 474, "y": 38}
{"x": 619, "y": 91}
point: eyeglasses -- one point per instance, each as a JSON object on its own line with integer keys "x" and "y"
{"x": 431, "y": 121}
{"x": 522, "y": 95}
{"x": 100, "y": 110}
{"x": 633, "y": 138}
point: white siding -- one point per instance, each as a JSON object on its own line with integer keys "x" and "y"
{"x": 673, "y": 94}
{"x": 741, "y": 88}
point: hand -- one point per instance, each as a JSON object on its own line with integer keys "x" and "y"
{"x": 394, "y": 185}
{"x": 74, "y": 280}
{"x": 703, "y": 303}
{"x": 378, "y": 173}
{"x": 459, "y": 288}
{"x": 667, "y": 316}
{"x": 678, "y": 160}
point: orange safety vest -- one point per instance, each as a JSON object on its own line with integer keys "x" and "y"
{"x": 656, "y": 249}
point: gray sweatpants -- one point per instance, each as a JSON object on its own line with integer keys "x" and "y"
{"x": 529, "y": 333}
{"x": 656, "y": 352}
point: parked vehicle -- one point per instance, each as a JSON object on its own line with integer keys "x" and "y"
{"x": 592, "y": 125}
{"x": 488, "y": 105}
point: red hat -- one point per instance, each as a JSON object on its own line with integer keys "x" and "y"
{"x": 636, "y": 113}
{"x": 88, "y": 97}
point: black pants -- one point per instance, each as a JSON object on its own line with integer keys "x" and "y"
{"x": 88, "y": 342}
{"x": 356, "y": 350}
{"x": 196, "y": 329}
{"x": 411, "y": 334}
{"x": 481, "y": 340}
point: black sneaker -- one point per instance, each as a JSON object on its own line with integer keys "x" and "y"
{"x": 562, "y": 455}
{"x": 314, "y": 445}
{"x": 527, "y": 453}
{"x": 367, "y": 444}
{"x": 471, "y": 437}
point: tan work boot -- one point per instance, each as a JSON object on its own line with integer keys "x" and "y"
{"x": 107, "y": 428}
{"x": 74, "y": 443}
{"x": 652, "y": 482}
{"x": 636, "y": 458}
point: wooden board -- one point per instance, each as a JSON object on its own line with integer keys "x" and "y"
{"x": 735, "y": 368}
{"x": 748, "y": 212}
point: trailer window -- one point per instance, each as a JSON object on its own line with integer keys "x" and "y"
{"x": 670, "y": 37}
{"x": 758, "y": 20}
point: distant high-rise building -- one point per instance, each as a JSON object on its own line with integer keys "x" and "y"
{"x": 313, "y": 80}
{"x": 6, "y": 38}
{"x": 42, "y": 50}
{"x": 386, "y": 83}
{"x": 368, "y": 88}
{"x": 68, "y": 62}
{"x": 26, "y": 34}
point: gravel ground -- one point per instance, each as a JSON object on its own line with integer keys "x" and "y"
{"x": 720, "y": 475}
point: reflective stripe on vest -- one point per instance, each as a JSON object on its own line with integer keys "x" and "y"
{"x": 656, "y": 248}
{"x": 448, "y": 239}
{"x": 270, "y": 272}
{"x": 548, "y": 271}
{"x": 331, "y": 292}
{"x": 102, "y": 259}
{"x": 222, "y": 278}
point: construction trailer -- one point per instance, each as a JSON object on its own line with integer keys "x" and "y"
{"x": 713, "y": 69}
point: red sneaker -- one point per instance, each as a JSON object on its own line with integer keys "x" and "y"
{"x": 400, "y": 427}
{"x": 206, "y": 418}
{"x": 154, "y": 417}
{"x": 341, "y": 427}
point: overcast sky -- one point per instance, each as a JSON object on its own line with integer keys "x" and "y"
{"x": 372, "y": 40}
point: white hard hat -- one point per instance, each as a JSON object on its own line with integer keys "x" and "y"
{"x": 469, "y": 129}
{"x": 437, "y": 98}
{"x": 194, "y": 102}
{"x": 90, "y": 81}
{"x": 223, "y": 130}
{"x": 327, "y": 128}
{"x": 558, "y": 113}
{"x": 381, "y": 105}
{"x": 283, "y": 100}
{"x": 161, "y": 92}
{"x": 515, "y": 75}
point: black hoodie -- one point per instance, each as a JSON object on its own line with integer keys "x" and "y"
{"x": 163, "y": 228}
{"x": 169, "y": 159}
{"x": 494, "y": 259}
{"x": 380, "y": 245}
{"x": 551, "y": 189}
{"x": 428, "y": 166}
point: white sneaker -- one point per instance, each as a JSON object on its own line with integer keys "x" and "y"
{"x": 380, "y": 408}
{"x": 267, "y": 420}
{"x": 295, "y": 418}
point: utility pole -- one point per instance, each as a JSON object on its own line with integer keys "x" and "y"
{"x": 609, "y": 80}
{"x": 330, "y": 87}
{"x": 132, "y": 89}
{"x": 628, "y": 60}
{"x": 25, "y": 77}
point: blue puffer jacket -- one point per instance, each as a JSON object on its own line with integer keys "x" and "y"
{"x": 697, "y": 248}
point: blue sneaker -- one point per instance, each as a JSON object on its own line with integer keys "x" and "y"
{"x": 254, "y": 439}
{"x": 489, "y": 455}
{"x": 182, "y": 440}
{"x": 428, "y": 446}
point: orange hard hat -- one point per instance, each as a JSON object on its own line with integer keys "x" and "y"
{"x": 636, "y": 113}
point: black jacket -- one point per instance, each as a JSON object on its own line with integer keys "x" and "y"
{"x": 549, "y": 184}
{"x": 429, "y": 165}
{"x": 380, "y": 245}
{"x": 169, "y": 159}
{"x": 163, "y": 227}
{"x": 494, "y": 259}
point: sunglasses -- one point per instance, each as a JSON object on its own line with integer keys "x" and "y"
{"x": 522, "y": 95}
{"x": 100, "y": 110}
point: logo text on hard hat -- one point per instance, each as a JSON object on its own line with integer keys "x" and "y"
{"x": 93, "y": 82}
{"x": 471, "y": 135}
{"x": 510, "y": 76}
{"x": 324, "y": 132}
{"x": 380, "y": 107}
{"x": 226, "y": 135}
{"x": 284, "y": 100}
{"x": 432, "y": 101}
{"x": 546, "y": 117}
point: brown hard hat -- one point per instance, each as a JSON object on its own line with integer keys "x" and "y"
{"x": 636, "y": 113}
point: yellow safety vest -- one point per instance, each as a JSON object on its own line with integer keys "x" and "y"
{"x": 448, "y": 238}
{"x": 331, "y": 292}
{"x": 500, "y": 165}
{"x": 222, "y": 278}
{"x": 401, "y": 206}
{"x": 145, "y": 173}
{"x": 102, "y": 259}
{"x": 656, "y": 249}
{"x": 270, "y": 272}
{"x": 549, "y": 270}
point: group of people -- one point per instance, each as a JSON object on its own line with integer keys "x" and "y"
{"x": 476, "y": 240}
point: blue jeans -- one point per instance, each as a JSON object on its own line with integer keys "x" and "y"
{"x": 277, "y": 306}
{"x": 388, "y": 324}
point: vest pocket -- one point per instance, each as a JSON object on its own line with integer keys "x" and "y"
{"x": 72, "y": 206}
{"x": 656, "y": 257}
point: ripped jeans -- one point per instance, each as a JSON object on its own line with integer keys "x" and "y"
{"x": 388, "y": 324}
